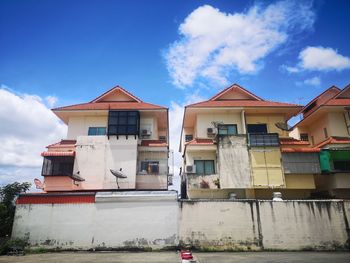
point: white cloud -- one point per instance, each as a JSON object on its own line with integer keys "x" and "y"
{"x": 176, "y": 115}
{"x": 51, "y": 100}
{"x": 214, "y": 43}
{"x": 27, "y": 126}
{"x": 320, "y": 59}
{"x": 315, "y": 81}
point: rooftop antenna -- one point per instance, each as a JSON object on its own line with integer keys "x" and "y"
{"x": 118, "y": 174}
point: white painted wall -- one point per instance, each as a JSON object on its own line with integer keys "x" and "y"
{"x": 134, "y": 219}
{"x": 78, "y": 126}
{"x": 245, "y": 225}
{"x": 96, "y": 155}
{"x": 109, "y": 223}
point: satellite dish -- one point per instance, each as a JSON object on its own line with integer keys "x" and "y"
{"x": 118, "y": 174}
{"x": 76, "y": 177}
{"x": 283, "y": 126}
{"x": 38, "y": 184}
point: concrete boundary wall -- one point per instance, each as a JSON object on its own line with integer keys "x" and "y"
{"x": 157, "y": 221}
{"x": 265, "y": 225}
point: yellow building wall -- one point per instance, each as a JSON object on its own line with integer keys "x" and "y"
{"x": 300, "y": 181}
{"x": 204, "y": 121}
{"x": 266, "y": 167}
{"x": 270, "y": 120}
{"x": 337, "y": 126}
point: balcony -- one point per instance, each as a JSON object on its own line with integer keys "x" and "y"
{"x": 263, "y": 139}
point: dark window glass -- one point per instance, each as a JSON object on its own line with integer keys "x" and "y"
{"x": 188, "y": 137}
{"x": 204, "y": 167}
{"x": 341, "y": 165}
{"x": 257, "y": 128}
{"x": 123, "y": 123}
{"x": 304, "y": 137}
{"x": 227, "y": 129}
{"x": 62, "y": 166}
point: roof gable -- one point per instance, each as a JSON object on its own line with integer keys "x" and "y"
{"x": 344, "y": 94}
{"x": 116, "y": 94}
{"x": 235, "y": 92}
{"x": 320, "y": 100}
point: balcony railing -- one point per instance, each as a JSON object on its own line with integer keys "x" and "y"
{"x": 263, "y": 139}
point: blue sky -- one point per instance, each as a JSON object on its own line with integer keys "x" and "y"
{"x": 170, "y": 53}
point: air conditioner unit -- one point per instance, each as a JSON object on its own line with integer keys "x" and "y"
{"x": 210, "y": 131}
{"x": 145, "y": 132}
{"x": 190, "y": 169}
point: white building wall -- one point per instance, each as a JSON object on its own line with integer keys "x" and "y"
{"x": 96, "y": 155}
{"x": 79, "y": 126}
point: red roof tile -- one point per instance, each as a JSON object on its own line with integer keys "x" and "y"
{"x": 241, "y": 103}
{"x": 200, "y": 141}
{"x": 66, "y": 153}
{"x": 338, "y": 102}
{"x": 333, "y": 140}
{"x": 292, "y": 141}
{"x": 300, "y": 150}
{"x": 153, "y": 143}
{"x": 111, "y": 106}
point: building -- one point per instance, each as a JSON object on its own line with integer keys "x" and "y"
{"x": 237, "y": 144}
{"x": 116, "y": 131}
{"x": 325, "y": 125}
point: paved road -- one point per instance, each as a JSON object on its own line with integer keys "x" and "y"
{"x": 172, "y": 257}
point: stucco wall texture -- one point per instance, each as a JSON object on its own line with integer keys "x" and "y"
{"x": 131, "y": 222}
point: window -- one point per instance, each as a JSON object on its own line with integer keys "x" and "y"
{"x": 123, "y": 123}
{"x": 58, "y": 166}
{"x": 310, "y": 107}
{"x": 304, "y": 137}
{"x": 204, "y": 167}
{"x": 188, "y": 137}
{"x": 227, "y": 129}
{"x": 150, "y": 167}
{"x": 257, "y": 128}
{"x": 97, "y": 131}
{"x": 325, "y": 133}
{"x": 341, "y": 165}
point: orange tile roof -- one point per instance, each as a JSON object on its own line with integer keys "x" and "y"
{"x": 338, "y": 102}
{"x": 300, "y": 150}
{"x": 111, "y": 106}
{"x": 333, "y": 140}
{"x": 200, "y": 141}
{"x": 66, "y": 153}
{"x": 241, "y": 103}
{"x": 153, "y": 143}
{"x": 292, "y": 141}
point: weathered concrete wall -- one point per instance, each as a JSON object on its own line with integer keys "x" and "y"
{"x": 114, "y": 221}
{"x": 219, "y": 225}
{"x": 234, "y": 165}
{"x": 152, "y": 220}
{"x": 257, "y": 225}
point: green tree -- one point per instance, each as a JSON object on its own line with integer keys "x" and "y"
{"x": 8, "y": 194}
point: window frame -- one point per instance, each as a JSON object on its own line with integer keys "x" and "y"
{"x": 119, "y": 123}
{"x": 220, "y": 126}
{"x": 257, "y": 124}
{"x": 204, "y": 170}
{"x": 97, "y": 129}
{"x": 304, "y": 137}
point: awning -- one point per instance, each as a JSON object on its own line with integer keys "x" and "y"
{"x": 46, "y": 154}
